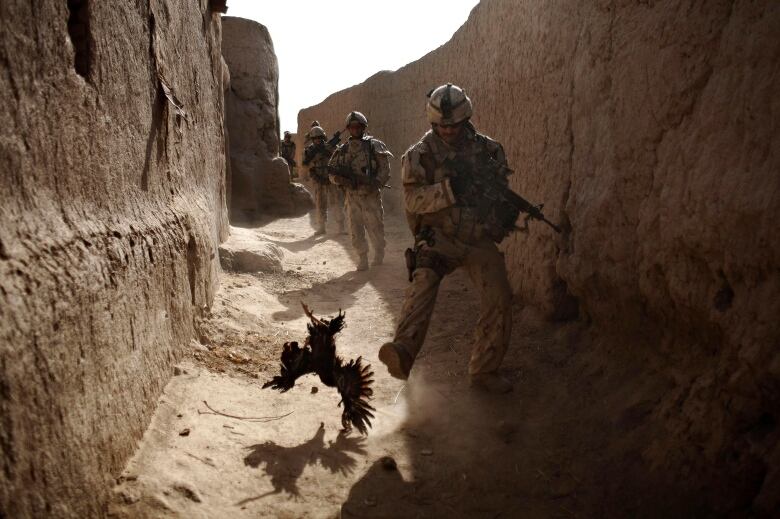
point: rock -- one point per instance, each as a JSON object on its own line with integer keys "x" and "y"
{"x": 198, "y": 347}
{"x": 129, "y": 496}
{"x": 427, "y": 452}
{"x": 184, "y": 432}
{"x": 242, "y": 252}
{"x": 314, "y": 389}
{"x": 176, "y": 371}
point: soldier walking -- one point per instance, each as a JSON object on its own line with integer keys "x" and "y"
{"x": 448, "y": 235}
{"x": 287, "y": 151}
{"x": 362, "y": 166}
{"x": 328, "y": 197}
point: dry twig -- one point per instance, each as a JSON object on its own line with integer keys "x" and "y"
{"x": 247, "y": 418}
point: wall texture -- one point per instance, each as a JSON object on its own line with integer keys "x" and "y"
{"x": 650, "y": 131}
{"x": 112, "y": 202}
{"x": 260, "y": 179}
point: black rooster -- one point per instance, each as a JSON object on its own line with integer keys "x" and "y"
{"x": 318, "y": 355}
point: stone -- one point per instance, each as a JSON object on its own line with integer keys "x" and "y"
{"x": 242, "y": 253}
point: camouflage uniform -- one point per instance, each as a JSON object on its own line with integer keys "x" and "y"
{"x": 456, "y": 239}
{"x": 369, "y": 157}
{"x": 307, "y": 137}
{"x": 326, "y": 194}
{"x": 287, "y": 152}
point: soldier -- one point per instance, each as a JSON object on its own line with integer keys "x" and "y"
{"x": 287, "y": 151}
{"x": 449, "y": 236}
{"x": 326, "y": 195}
{"x": 307, "y": 137}
{"x": 362, "y": 166}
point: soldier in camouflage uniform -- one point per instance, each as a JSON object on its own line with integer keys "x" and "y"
{"x": 287, "y": 152}
{"x": 327, "y": 196}
{"x": 367, "y": 161}
{"x": 307, "y": 137}
{"x": 448, "y": 236}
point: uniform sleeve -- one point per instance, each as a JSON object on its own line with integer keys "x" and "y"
{"x": 382, "y": 155}
{"x": 383, "y": 163}
{"x": 421, "y": 197}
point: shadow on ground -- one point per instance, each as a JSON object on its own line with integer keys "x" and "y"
{"x": 568, "y": 442}
{"x": 284, "y": 465}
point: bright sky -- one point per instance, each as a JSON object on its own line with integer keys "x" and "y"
{"x": 312, "y": 40}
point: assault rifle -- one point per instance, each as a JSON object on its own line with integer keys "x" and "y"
{"x": 484, "y": 188}
{"x": 312, "y": 150}
{"x": 335, "y": 140}
{"x": 355, "y": 179}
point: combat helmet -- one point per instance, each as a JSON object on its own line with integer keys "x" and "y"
{"x": 315, "y": 132}
{"x": 356, "y": 116}
{"x": 448, "y": 104}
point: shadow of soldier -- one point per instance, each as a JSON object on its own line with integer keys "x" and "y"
{"x": 285, "y": 465}
{"x": 327, "y": 298}
{"x": 308, "y": 242}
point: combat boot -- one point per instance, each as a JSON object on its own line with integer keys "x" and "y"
{"x": 362, "y": 262}
{"x": 379, "y": 257}
{"x": 398, "y": 361}
{"x": 491, "y": 382}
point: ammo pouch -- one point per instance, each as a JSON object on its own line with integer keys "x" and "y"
{"x": 425, "y": 259}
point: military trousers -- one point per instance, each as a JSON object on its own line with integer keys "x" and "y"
{"x": 328, "y": 200}
{"x": 485, "y": 266}
{"x": 365, "y": 215}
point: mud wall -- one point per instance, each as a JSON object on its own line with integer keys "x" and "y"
{"x": 112, "y": 203}
{"x": 649, "y": 130}
{"x": 260, "y": 178}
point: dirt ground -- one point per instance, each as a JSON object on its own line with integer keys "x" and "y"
{"x": 564, "y": 444}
